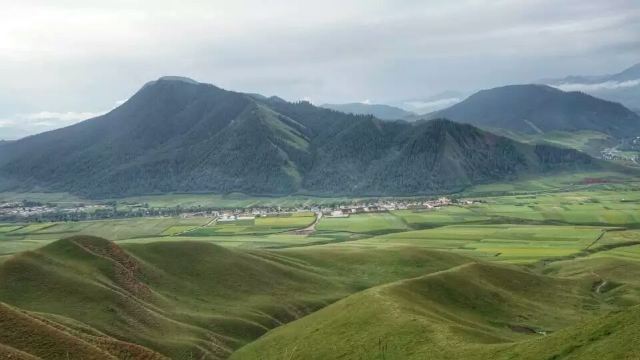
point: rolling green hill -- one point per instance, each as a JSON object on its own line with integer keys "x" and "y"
{"x": 474, "y": 311}
{"x": 182, "y": 299}
{"x": 180, "y": 135}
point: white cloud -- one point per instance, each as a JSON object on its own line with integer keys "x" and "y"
{"x": 65, "y": 117}
{"x": 76, "y": 54}
{"x": 20, "y": 125}
{"x": 23, "y": 124}
{"x": 423, "y": 107}
{"x": 607, "y": 85}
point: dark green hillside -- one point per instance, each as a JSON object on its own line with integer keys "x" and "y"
{"x": 539, "y": 108}
{"x": 178, "y": 135}
{"x": 426, "y": 157}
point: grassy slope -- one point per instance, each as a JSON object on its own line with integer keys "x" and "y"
{"x": 25, "y": 335}
{"x": 468, "y": 312}
{"x": 181, "y": 298}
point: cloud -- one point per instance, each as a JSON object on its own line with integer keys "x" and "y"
{"x": 20, "y": 125}
{"x": 388, "y": 50}
{"x": 607, "y": 85}
{"x": 429, "y": 106}
{"x": 69, "y": 117}
{"x": 24, "y": 124}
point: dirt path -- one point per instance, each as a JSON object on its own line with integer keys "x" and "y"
{"x": 311, "y": 228}
{"x": 213, "y": 219}
{"x": 599, "y": 287}
{"x": 597, "y": 239}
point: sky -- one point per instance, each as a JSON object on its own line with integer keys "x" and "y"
{"x": 67, "y": 60}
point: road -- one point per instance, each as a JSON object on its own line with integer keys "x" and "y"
{"x": 311, "y": 228}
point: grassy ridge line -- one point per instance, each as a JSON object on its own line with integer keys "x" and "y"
{"x": 473, "y": 311}
{"x": 181, "y": 298}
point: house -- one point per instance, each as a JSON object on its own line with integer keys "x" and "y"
{"x": 338, "y": 213}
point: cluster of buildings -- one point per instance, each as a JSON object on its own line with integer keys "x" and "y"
{"x": 26, "y": 210}
{"x": 341, "y": 210}
{"x": 18, "y": 209}
{"x": 32, "y": 211}
{"x": 615, "y": 154}
{"x": 384, "y": 205}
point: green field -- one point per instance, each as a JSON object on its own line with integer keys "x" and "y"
{"x": 543, "y": 274}
{"x": 363, "y": 223}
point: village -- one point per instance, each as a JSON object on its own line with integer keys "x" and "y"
{"x": 40, "y": 212}
{"x": 29, "y": 210}
{"x": 337, "y": 211}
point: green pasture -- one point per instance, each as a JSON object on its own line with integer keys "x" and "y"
{"x": 364, "y": 223}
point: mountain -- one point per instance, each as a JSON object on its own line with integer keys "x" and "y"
{"x": 541, "y": 109}
{"x": 180, "y": 135}
{"x": 384, "y": 112}
{"x": 623, "y": 87}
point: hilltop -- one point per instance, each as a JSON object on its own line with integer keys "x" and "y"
{"x": 181, "y": 135}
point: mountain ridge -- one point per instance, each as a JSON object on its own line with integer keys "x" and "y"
{"x": 535, "y": 108}
{"x": 622, "y": 87}
{"x": 175, "y": 135}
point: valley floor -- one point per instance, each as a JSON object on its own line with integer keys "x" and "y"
{"x": 552, "y": 273}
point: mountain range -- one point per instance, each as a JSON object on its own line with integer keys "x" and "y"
{"x": 622, "y": 87}
{"x": 540, "y": 109}
{"x": 178, "y": 135}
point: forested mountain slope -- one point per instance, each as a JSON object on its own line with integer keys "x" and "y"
{"x": 179, "y": 135}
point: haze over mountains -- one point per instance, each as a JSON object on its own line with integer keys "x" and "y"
{"x": 622, "y": 87}
{"x": 381, "y": 111}
{"x": 179, "y": 135}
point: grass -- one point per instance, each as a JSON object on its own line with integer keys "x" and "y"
{"x": 363, "y": 223}
{"x": 180, "y": 295}
{"x": 473, "y": 311}
{"x": 258, "y": 226}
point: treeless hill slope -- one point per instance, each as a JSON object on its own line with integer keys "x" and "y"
{"x": 29, "y": 336}
{"x": 474, "y": 311}
{"x": 189, "y": 299}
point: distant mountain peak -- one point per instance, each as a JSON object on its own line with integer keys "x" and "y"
{"x": 178, "y": 78}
